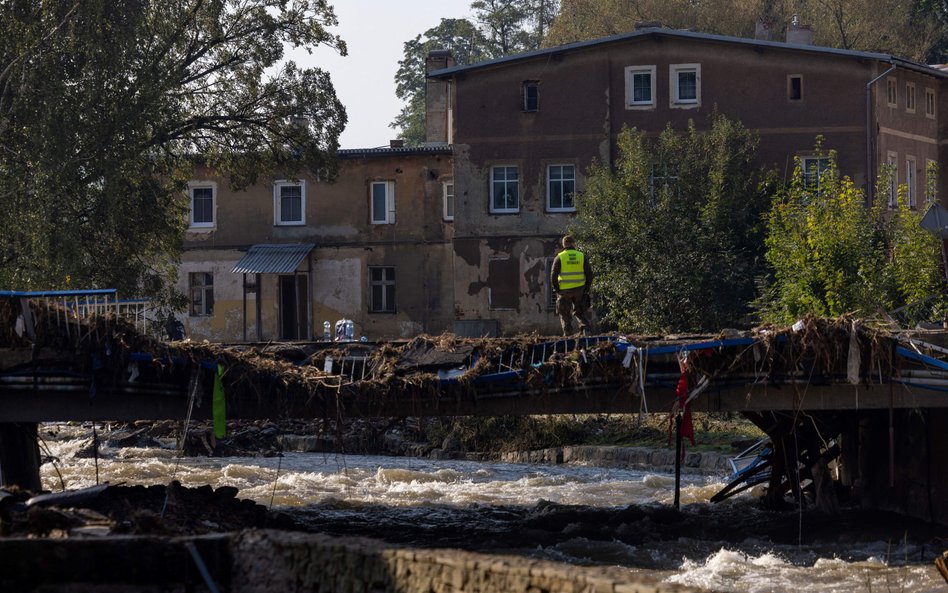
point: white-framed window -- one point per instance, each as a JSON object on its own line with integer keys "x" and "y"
{"x": 892, "y": 166}
{"x": 504, "y": 189}
{"x": 794, "y": 87}
{"x": 203, "y": 197}
{"x": 382, "y": 196}
{"x": 381, "y": 289}
{"x": 201, "y": 291}
{"x": 930, "y": 103}
{"x": 892, "y": 92}
{"x": 662, "y": 177}
{"x": 813, "y": 168}
{"x": 910, "y": 97}
{"x": 530, "y": 91}
{"x": 447, "y": 190}
{"x": 289, "y": 203}
{"x": 685, "y": 84}
{"x": 639, "y": 87}
{"x": 910, "y": 180}
{"x": 560, "y": 188}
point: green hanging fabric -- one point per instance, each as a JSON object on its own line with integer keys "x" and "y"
{"x": 220, "y": 404}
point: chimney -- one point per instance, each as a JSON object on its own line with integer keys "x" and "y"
{"x": 764, "y": 30}
{"x": 396, "y": 143}
{"x": 799, "y": 34}
{"x": 438, "y": 124}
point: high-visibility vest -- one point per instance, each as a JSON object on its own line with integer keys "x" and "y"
{"x": 571, "y": 269}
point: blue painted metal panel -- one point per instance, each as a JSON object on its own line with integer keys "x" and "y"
{"x": 56, "y": 293}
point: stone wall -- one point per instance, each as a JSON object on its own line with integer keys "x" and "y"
{"x": 629, "y": 457}
{"x": 266, "y": 561}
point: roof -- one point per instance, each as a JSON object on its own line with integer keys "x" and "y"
{"x": 282, "y": 258}
{"x": 662, "y": 32}
{"x": 355, "y": 153}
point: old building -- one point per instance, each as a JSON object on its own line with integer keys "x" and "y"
{"x": 277, "y": 260}
{"x": 525, "y": 128}
{"x": 509, "y": 142}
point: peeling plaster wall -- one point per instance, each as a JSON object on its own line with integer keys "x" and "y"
{"x": 226, "y": 323}
{"x": 475, "y": 282}
{"x": 338, "y": 222}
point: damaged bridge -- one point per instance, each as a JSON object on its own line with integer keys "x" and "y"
{"x": 862, "y": 409}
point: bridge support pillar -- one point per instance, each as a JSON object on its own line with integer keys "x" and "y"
{"x": 19, "y": 455}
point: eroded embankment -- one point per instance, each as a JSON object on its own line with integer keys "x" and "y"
{"x": 266, "y": 561}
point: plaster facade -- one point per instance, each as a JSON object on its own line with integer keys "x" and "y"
{"x": 385, "y": 211}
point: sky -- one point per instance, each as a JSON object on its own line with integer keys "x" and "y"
{"x": 375, "y": 32}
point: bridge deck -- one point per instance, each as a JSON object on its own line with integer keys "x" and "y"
{"x": 102, "y": 369}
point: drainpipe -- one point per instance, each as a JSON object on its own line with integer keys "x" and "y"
{"x": 869, "y": 168}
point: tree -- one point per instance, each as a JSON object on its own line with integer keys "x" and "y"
{"x": 501, "y": 27}
{"x": 905, "y": 28}
{"x": 107, "y": 105}
{"x": 467, "y": 45}
{"x": 830, "y": 255}
{"x": 675, "y": 232}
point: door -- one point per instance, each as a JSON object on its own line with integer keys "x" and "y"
{"x": 294, "y": 319}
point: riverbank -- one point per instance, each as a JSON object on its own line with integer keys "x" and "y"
{"x": 609, "y": 440}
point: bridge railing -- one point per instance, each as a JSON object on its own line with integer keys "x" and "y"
{"x": 82, "y": 304}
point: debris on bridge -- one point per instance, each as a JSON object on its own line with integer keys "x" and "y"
{"x": 111, "y": 351}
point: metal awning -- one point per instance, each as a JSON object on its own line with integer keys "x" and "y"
{"x": 279, "y": 258}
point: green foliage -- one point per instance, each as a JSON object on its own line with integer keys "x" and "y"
{"x": 674, "y": 232}
{"x": 501, "y": 27}
{"x": 467, "y": 45}
{"x": 831, "y": 255}
{"x": 103, "y": 105}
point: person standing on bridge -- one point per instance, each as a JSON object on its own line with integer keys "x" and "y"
{"x": 571, "y": 278}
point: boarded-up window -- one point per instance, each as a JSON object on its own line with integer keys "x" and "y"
{"x": 503, "y": 283}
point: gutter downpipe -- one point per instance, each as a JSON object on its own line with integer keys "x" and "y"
{"x": 869, "y": 169}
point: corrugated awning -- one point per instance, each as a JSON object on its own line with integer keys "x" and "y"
{"x": 281, "y": 258}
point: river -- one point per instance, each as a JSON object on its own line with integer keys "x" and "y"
{"x": 565, "y": 513}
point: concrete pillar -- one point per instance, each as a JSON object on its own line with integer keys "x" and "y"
{"x": 19, "y": 455}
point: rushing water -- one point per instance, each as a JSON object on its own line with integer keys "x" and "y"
{"x": 574, "y": 514}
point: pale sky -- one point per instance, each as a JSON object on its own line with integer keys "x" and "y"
{"x": 375, "y": 32}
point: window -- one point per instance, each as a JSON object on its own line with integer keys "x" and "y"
{"x": 202, "y": 204}
{"x": 685, "y": 81}
{"x": 892, "y": 170}
{"x": 640, "y": 86}
{"x": 448, "y": 191}
{"x": 289, "y": 203}
{"x": 201, "y": 289}
{"x": 662, "y": 178}
{"x": 381, "y": 289}
{"x": 910, "y": 176}
{"x": 795, "y": 87}
{"x": 531, "y": 95}
{"x": 504, "y": 190}
{"x": 383, "y": 202}
{"x": 892, "y": 92}
{"x": 930, "y": 103}
{"x": 910, "y": 97}
{"x": 560, "y": 188}
{"x": 813, "y": 168}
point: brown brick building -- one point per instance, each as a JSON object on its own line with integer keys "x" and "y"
{"x": 525, "y": 128}
{"x": 508, "y": 144}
